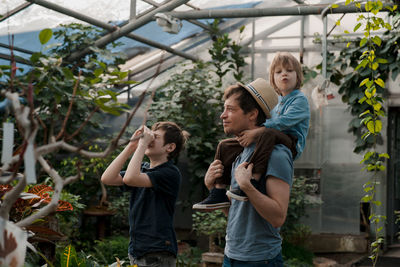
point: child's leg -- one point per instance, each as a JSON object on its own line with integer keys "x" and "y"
{"x": 264, "y": 146}
{"x": 227, "y": 151}
{"x": 262, "y": 152}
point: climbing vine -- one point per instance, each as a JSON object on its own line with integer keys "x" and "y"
{"x": 373, "y": 58}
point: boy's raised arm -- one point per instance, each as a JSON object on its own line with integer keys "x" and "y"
{"x": 111, "y": 176}
{"x": 133, "y": 175}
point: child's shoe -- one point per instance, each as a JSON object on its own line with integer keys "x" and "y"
{"x": 216, "y": 200}
{"x": 238, "y": 194}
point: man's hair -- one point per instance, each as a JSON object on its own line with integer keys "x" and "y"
{"x": 246, "y": 101}
{"x": 286, "y": 60}
{"x": 173, "y": 134}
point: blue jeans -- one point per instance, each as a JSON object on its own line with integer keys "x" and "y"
{"x": 275, "y": 262}
{"x": 154, "y": 259}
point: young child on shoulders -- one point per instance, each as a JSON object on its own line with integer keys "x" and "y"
{"x": 287, "y": 123}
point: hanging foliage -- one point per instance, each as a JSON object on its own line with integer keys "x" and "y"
{"x": 361, "y": 70}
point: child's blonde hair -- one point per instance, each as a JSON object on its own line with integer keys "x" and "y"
{"x": 286, "y": 60}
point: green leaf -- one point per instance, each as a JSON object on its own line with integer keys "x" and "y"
{"x": 98, "y": 72}
{"x": 374, "y": 126}
{"x": 334, "y": 6}
{"x": 377, "y": 40}
{"x": 381, "y": 60}
{"x": 357, "y": 26}
{"x": 384, "y": 155}
{"x": 369, "y": 84}
{"x": 364, "y": 113}
{"x": 67, "y": 73}
{"x": 364, "y": 81}
{"x": 362, "y": 100}
{"x": 45, "y": 35}
{"x": 380, "y": 82}
{"x": 363, "y": 41}
{"x": 366, "y": 198}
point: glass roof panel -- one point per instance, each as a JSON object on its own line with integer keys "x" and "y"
{"x": 8, "y": 5}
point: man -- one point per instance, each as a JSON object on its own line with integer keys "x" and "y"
{"x": 154, "y": 190}
{"x": 252, "y": 237}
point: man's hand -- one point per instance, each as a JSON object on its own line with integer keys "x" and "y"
{"x": 214, "y": 171}
{"x": 249, "y": 136}
{"x": 243, "y": 174}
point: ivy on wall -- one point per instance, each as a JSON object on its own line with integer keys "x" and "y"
{"x": 361, "y": 71}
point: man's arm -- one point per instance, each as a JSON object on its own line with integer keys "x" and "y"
{"x": 273, "y": 206}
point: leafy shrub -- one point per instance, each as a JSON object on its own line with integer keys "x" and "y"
{"x": 106, "y": 251}
{"x": 190, "y": 258}
{"x": 296, "y": 256}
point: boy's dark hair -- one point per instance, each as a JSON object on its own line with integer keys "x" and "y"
{"x": 246, "y": 101}
{"x": 173, "y": 134}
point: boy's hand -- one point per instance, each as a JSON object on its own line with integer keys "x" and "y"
{"x": 147, "y": 138}
{"x": 136, "y": 135}
{"x": 248, "y": 136}
{"x": 134, "y": 141}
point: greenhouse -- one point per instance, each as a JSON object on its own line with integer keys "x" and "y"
{"x": 81, "y": 81}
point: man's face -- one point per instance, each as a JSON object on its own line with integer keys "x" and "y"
{"x": 233, "y": 118}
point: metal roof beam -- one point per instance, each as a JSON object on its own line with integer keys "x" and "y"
{"x": 15, "y": 11}
{"x": 119, "y": 32}
{"x": 111, "y": 28}
{"x": 195, "y": 22}
{"x": 16, "y": 48}
{"x": 279, "y": 26}
{"x": 266, "y": 12}
{"x": 16, "y": 59}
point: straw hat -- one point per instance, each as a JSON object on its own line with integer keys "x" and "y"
{"x": 263, "y": 93}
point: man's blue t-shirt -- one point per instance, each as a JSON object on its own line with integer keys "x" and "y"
{"x": 249, "y": 237}
{"x": 151, "y": 211}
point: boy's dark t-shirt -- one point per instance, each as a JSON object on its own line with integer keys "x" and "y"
{"x": 151, "y": 211}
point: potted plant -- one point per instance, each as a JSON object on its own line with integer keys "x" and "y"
{"x": 213, "y": 225}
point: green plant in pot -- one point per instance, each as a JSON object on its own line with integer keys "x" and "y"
{"x": 213, "y": 225}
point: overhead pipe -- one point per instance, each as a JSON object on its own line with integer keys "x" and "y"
{"x": 132, "y": 14}
{"x": 267, "y": 12}
{"x": 302, "y": 39}
{"x": 110, "y": 28}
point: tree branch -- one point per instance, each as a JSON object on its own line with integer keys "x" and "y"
{"x": 64, "y": 125}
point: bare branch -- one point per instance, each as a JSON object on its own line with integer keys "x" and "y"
{"x": 10, "y": 198}
{"x": 52, "y": 206}
{"x": 82, "y": 125}
{"x": 64, "y": 125}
